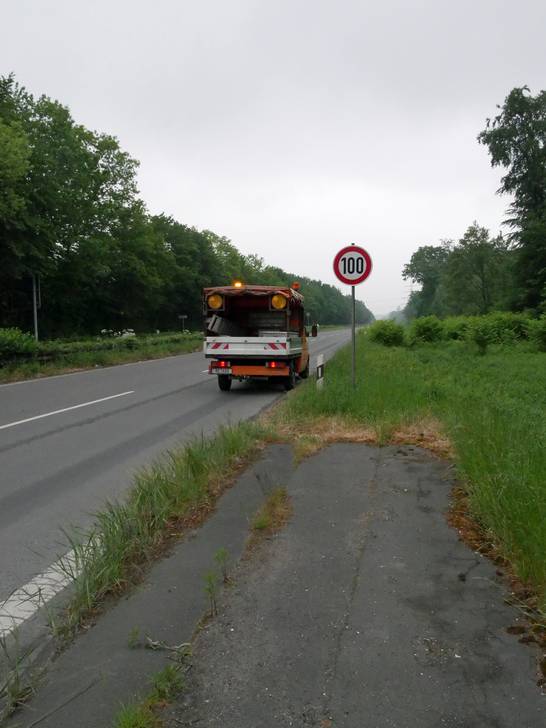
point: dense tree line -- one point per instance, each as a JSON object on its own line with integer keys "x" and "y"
{"x": 479, "y": 273}
{"x": 474, "y": 275}
{"x": 70, "y": 215}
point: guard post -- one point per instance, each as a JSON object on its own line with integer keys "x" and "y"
{"x": 320, "y": 371}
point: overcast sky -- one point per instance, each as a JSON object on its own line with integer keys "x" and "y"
{"x": 294, "y": 127}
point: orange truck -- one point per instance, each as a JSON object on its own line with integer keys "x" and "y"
{"x": 255, "y": 332}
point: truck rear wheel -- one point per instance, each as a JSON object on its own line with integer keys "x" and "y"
{"x": 224, "y": 382}
{"x": 290, "y": 380}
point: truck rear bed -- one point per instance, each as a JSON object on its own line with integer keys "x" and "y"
{"x": 269, "y": 345}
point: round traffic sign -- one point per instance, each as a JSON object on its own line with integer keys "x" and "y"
{"x": 352, "y": 265}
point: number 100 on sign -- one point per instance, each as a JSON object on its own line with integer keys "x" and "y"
{"x": 352, "y": 265}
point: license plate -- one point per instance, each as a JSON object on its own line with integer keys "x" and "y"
{"x": 223, "y": 370}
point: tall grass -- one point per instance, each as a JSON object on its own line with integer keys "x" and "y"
{"x": 128, "y": 535}
{"x": 493, "y": 409}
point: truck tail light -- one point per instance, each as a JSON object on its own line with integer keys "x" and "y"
{"x": 275, "y": 364}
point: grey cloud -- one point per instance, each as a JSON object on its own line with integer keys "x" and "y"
{"x": 294, "y": 127}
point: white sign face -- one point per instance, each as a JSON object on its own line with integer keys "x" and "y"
{"x": 352, "y": 265}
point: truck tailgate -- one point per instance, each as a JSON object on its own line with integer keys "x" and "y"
{"x": 252, "y": 346}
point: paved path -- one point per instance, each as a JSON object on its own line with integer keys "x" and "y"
{"x": 57, "y": 470}
{"x": 366, "y": 612}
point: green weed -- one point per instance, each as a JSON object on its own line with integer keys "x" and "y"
{"x": 17, "y": 681}
{"x": 211, "y": 590}
{"x": 221, "y": 557}
{"x": 166, "y": 684}
{"x": 135, "y": 716}
{"x": 133, "y": 640}
{"x": 273, "y": 514}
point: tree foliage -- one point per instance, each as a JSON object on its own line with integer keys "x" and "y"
{"x": 516, "y": 139}
{"x": 479, "y": 274}
{"x": 70, "y": 213}
{"x": 472, "y": 276}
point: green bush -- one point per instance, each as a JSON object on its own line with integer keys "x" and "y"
{"x": 387, "y": 333}
{"x": 13, "y": 342}
{"x": 482, "y": 332}
{"x": 499, "y": 327}
{"x": 456, "y": 327}
{"x": 426, "y": 329}
{"x": 537, "y": 332}
{"x": 507, "y": 327}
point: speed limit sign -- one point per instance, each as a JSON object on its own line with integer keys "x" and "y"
{"x": 352, "y": 265}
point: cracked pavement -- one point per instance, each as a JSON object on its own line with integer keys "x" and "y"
{"x": 366, "y": 610}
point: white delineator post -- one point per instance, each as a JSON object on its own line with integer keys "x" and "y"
{"x": 320, "y": 371}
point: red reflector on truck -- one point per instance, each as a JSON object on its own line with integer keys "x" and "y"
{"x": 275, "y": 364}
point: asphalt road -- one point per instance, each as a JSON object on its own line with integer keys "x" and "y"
{"x": 55, "y": 471}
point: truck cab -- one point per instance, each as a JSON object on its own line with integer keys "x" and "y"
{"x": 255, "y": 332}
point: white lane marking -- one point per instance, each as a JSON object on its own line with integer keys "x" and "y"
{"x": 65, "y": 409}
{"x": 25, "y": 602}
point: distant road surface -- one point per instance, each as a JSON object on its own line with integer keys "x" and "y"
{"x": 70, "y": 442}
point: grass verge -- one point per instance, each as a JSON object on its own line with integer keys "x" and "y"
{"x": 176, "y": 492}
{"x": 488, "y": 411}
{"x": 77, "y": 361}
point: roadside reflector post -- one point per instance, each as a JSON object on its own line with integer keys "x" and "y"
{"x": 320, "y": 371}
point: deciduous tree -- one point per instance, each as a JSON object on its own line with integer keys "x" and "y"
{"x": 516, "y": 139}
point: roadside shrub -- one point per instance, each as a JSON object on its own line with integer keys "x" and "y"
{"x": 388, "y": 333}
{"x": 537, "y": 332}
{"x": 456, "y": 327}
{"x": 482, "y": 332}
{"x": 13, "y": 342}
{"x": 426, "y": 329}
{"x": 507, "y": 327}
{"x": 499, "y": 327}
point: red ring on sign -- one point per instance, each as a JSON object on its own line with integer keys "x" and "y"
{"x": 367, "y": 269}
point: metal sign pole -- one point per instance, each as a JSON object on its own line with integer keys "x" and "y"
{"x": 354, "y": 336}
{"x": 352, "y": 265}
